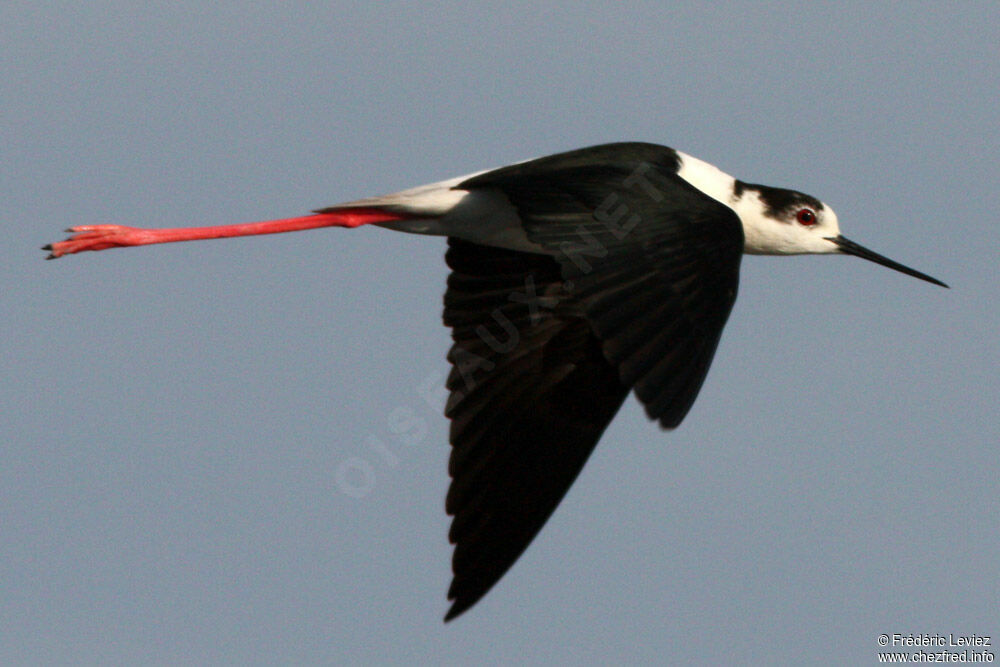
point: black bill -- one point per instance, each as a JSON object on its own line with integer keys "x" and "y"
{"x": 851, "y": 248}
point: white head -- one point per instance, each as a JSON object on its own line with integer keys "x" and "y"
{"x": 786, "y": 222}
{"x": 783, "y": 222}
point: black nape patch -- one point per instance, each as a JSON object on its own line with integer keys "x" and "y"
{"x": 778, "y": 200}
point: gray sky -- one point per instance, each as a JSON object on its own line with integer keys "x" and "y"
{"x": 174, "y": 417}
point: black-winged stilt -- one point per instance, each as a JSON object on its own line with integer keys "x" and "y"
{"x": 575, "y": 278}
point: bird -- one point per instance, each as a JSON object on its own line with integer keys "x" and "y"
{"x": 575, "y": 279}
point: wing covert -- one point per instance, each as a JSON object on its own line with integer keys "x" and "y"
{"x": 653, "y": 262}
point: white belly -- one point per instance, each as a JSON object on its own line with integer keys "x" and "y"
{"x": 485, "y": 216}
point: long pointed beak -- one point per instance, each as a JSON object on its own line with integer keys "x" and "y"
{"x": 851, "y": 248}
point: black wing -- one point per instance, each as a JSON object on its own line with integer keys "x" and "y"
{"x": 652, "y": 260}
{"x": 641, "y": 276}
{"x": 531, "y": 394}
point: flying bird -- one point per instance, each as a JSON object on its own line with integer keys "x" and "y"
{"x": 575, "y": 279}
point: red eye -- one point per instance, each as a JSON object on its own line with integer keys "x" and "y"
{"x": 806, "y": 217}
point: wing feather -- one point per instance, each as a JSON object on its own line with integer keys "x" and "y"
{"x": 640, "y": 276}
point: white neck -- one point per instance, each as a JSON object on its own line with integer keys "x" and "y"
{"x": 762, "y": 235}
{"x": 708, "y": 178}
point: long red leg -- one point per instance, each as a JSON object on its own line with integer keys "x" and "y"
{"x": 102, "y": 237}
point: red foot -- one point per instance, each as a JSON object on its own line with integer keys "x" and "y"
{"x": 95, "y": 237}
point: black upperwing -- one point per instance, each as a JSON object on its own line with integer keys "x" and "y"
{"x": 640, "y": 279}
{"x": 653, "y": 261}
